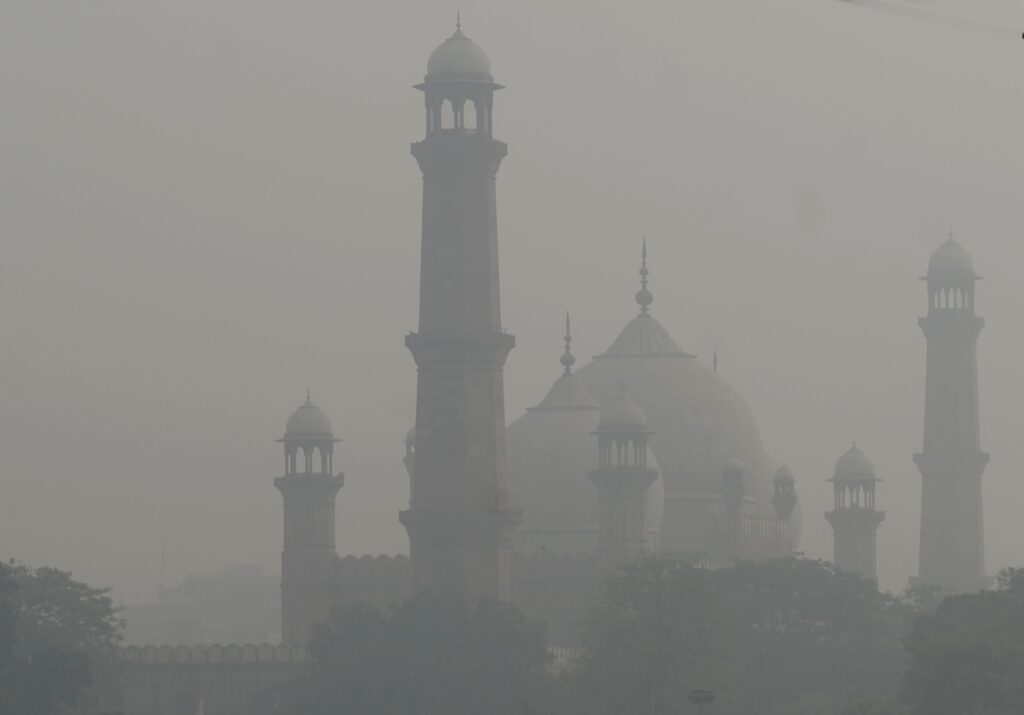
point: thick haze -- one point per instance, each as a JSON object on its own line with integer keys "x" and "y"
{"x": 206, "y": 207}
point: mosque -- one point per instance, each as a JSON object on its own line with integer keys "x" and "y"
{"x": 644, "y": 448}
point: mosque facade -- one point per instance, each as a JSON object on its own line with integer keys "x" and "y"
{"x": 644, "y": 448}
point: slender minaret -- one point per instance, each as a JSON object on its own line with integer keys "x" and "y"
{"x": 309, "y": 489}
{"x": 951, "y": 462}
{"x": 623, "y": 478}
{"x": 784, "y": 497}
{"x": 459, "y": 523}
{"x": 854, "y": 518}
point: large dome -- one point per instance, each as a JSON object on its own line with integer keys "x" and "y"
{"x": 699, "y": 424}
{"x": 550, "y": 451}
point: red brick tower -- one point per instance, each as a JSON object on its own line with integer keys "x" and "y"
{"x": 459, "y": 523}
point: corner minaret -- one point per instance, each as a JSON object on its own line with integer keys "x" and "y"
{"x": 459, "y": 523}
{"x": 854, "y": 518}
{"x": 309, "y": 490}
{"x": 951, "y": 462}
{"x": 623, "y": 478}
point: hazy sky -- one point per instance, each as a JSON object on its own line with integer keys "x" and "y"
{"x": 206, "y": 206}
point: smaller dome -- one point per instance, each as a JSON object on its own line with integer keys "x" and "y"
{"x": 950, "y": 259}
{"x": 622, "y": 413}
{"x": 854, "y": 465}
{"x": 459, "y": 57}
{"x": 783, "y": 474}
{"x": 308, "y": 422}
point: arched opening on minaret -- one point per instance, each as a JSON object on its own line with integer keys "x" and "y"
{"x": 447, "y": 114}
{"x": 469, "y": 117}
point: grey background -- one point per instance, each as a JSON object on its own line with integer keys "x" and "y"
{"x": 204, "y": 207}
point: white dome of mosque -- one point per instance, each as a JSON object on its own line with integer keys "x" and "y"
{"x": 550, "y": 451}
{"x": 308, "y": 422}
{"x": 950, "y": 259}
{"x": 854, "y": 464}
{"x": 459, "y": 57}
{"x": 699, "y": 424}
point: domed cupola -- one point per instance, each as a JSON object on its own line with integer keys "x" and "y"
{"x": 951, "y": 280}
{"x": 854, "y": 465}
{"x": 459, "y": 58}
{"x": 308, "y": 431}
{"x": 308, "y": 422}
{"x": 950, "y": 259}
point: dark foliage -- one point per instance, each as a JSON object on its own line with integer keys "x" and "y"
{"x": 57, "y": 638}
{"x": 968, "y": 657}
{"x": 431, "y": 655}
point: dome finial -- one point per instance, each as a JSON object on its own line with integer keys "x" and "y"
{"x": 644, "y": 297}
{"x": 568, "y": 359}
{"x": 458, "y": 19}
{"x": 309, "y": 401}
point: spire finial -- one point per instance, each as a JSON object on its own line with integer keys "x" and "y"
{"x": 951, "y": 233}
{"x": 458, "y": 19}
{"x": 308, "y": 399}
{"x": 568, "y": 359}
{"x": 644, "y": 296}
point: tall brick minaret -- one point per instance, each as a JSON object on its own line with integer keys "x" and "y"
{"x": 951, "y": 462}
{"x": 459, "y": 523}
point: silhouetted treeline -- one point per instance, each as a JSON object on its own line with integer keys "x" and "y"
{"x": 783, "y": 637}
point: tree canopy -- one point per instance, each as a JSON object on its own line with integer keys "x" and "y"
{"x": 784, "y": 636}
{"x": 968, "y": 656}
{"x": 57, "y": 637}
{"x": 431, "y": 655}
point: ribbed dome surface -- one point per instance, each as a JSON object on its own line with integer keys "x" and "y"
{"x": 568, "y": 393}
{"x": 950, "y": 259}
{"x": 308, "y": 422}
{"x": 854, "y": 464}
{"x": 644, "y": 335}
{"x": 459, "y": 57}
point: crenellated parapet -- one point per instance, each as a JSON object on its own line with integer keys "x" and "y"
{"x": 216, "y": 679}
{"x": 229, "y": 654}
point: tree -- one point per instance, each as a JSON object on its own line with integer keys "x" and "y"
{"x": 788, "y": 636}
{"x": 57, "y": 637}
{"x": 657, "y": 633}
{"x": 430, "y": 655}
{"x": 968, "y": 657}
{"x": 810, "y": 638}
